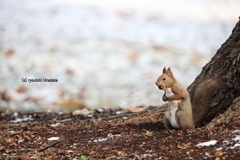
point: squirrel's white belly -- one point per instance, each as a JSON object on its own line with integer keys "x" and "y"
{"x": 173, "y": 117}
{"x": 173, "y": 106}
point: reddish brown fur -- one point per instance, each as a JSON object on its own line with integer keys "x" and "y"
{"x": 184, "y": 113}
{"x": 170, "y": 82}
{"x": 178, "y": 94}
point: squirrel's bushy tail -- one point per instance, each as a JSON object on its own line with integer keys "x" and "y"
{"x": 201, "y": 96}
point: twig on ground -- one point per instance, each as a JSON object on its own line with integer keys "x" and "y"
{"x": 121, "y": 115}
{"x": 44, "y": 148}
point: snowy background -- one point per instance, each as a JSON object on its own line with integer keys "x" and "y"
{"x": 104, "y": 53}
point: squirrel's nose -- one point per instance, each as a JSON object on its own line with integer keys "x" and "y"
{"x": 156, "y": 83}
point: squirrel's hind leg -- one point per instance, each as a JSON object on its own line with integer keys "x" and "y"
{"x": 185, "y": 120}
{"x": 166, "y": 118}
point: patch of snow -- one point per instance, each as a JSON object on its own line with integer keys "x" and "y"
{"x": 20, "y": 140}
{"x": 53, "y": 138}
{"x": 237, "y": 138}
{"x": 226, "y": 142}
{"x": 15, "y": 114}
{"x": 236, "y": 131}
{"x": 218, "y": 149}
{"x": 17, "y": 120}
{"x": 55, "y": 125}
{"x": 209, "y": 143}
{"x": 117, "y": 135}
{"x": 207, "y": 154}
{"x": 147, "y": 156}
{"x": 104, "y": 139}
{"x": 90, "y": 116}
{"x": 236, "y": 145}
{"x": 100, "y": 139}
{"x": 100, "y": 110}
{"x": 119, "y": 112}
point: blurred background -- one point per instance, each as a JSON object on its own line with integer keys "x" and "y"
{"x": 104, "y": 53}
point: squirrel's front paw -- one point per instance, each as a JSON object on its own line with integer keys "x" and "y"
{"x": 165, "y": 99}
{"x": 170, "y": 98}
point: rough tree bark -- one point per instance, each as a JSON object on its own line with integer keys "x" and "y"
{"x": 224, "y": 66}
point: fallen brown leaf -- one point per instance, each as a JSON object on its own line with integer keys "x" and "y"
{"x": 148, "y": 133}
{"x": 219, "y": 153}
{"x": 20, "y": 89}
{"x": 132, "y": 55}
{"x": 70, "y": 105}
{"x": 10, "y": 53}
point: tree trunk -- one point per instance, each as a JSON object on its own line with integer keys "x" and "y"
{"x": 225, "y": 65}
{"x": 225, "y": 68}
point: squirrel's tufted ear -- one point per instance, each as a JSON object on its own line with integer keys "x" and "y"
{"x": 169, "y": 72}
{"x": 164, "y": 70}
{"x": 169, "y": 69}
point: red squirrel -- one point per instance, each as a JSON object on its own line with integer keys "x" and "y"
{"x": 179, "y": 114}
{"x": 186, "y": 110}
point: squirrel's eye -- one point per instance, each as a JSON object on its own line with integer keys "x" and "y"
{"x": 164, "y": 79}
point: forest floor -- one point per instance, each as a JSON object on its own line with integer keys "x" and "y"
{"x": 104, "y": 135}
